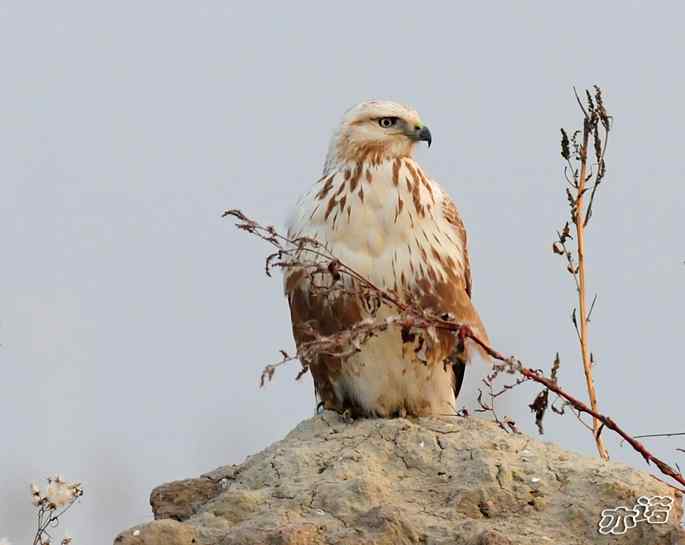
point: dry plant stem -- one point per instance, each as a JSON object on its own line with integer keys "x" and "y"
{"x": 580, "y": 240}
{"x": 418, "y": 319}
{"x": 46, "y": 519}
{"x": 582, "y": 407}
{"x": 661, "y": 435}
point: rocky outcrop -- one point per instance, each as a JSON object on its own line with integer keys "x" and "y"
{"x": 429, "y": 481}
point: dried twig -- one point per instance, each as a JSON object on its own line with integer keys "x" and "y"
{"x": 605, "y": 421}
{"x": 506, "y": 423}
{"x": 413, "y": 321}
{"x": 660, "y": 435}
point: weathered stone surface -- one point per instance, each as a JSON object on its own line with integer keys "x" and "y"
{"x": 158, "y": 532}
{"x": 428, "y": 481}
{"x": 179, "y": 500}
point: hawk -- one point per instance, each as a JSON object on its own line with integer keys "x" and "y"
{"x": 377, "y": 211}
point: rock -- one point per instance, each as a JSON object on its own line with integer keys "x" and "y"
{"x": 180, "y": 499}
{"x": 427, "y": 481}
{"x": 158, "y": 532}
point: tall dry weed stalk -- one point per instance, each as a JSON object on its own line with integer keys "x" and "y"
{"x": 584, "y": 172}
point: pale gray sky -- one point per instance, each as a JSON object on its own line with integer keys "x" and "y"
{"x": 134, "y": 322}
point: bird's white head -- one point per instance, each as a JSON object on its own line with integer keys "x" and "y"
{"x": 376, "y": 131}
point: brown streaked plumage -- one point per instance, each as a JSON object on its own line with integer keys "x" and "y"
{"x": 377, "y": 211}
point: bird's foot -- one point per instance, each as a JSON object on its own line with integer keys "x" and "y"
{"x": 347, "y": 416}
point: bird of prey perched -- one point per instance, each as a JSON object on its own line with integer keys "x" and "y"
{"x": 377, "y": 211}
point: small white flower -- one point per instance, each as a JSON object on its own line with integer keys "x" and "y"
{"x": 422, "y": 444}
{"x": 59, "y": 494}
{"x": 136, "y": 533}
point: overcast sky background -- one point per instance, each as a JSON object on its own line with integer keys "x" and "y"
{"x": 134, "y": 321}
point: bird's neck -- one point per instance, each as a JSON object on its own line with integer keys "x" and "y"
{"x": 343, "y": 152}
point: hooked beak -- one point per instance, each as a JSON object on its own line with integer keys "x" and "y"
{"x": 422, "y": 134}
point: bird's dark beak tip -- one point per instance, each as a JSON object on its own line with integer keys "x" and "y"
{"x": 425, "y": 135}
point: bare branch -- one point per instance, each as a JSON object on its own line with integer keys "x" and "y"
{"x": 413, "y": 320}
{"x": 661, "y": 435}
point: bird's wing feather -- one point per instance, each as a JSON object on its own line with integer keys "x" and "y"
{"x": 471, "y": 317}
{"x": 452, "y": 216}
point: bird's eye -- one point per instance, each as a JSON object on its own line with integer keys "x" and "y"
{"x": 387, "y": 122}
